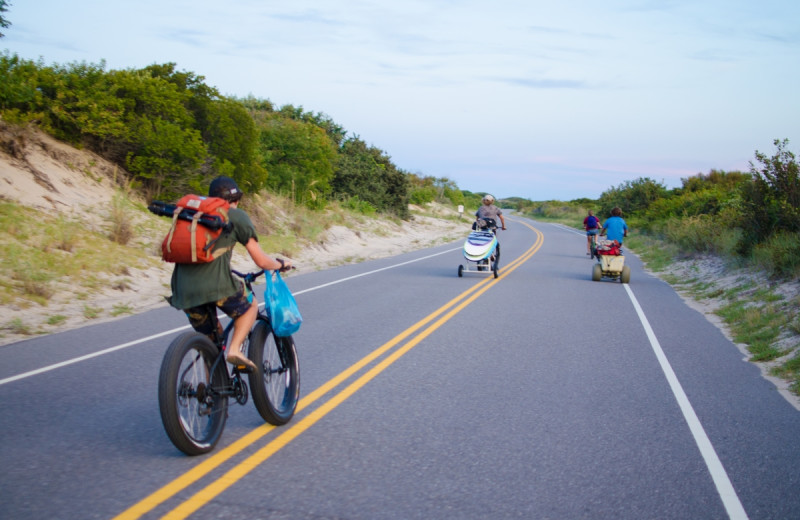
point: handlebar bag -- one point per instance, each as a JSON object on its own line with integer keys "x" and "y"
{"x": 284, "y": 315}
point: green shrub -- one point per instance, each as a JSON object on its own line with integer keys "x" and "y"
{"x": 700, "y": 234}
{"x": 423, "y": 195}
{"x": 779, "y": 254}
{"x": 361, "y": 206}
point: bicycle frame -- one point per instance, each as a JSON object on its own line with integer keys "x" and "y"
{"x": 234, "y": 385}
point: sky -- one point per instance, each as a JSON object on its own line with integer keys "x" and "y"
{"x": 541, "y": 100}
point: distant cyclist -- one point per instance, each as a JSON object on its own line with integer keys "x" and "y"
{"x": 592, "y": 226}
{"x": 489, "y": 210}
{"x": 615, "y": 227}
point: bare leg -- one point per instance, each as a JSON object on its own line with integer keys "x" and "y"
{"x": 241, "y": 328}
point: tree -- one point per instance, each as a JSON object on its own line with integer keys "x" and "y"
{"x": 632, "y": 196}
{"x": 367, "y": 173}
{"x": 5, "y": 24}
{"x": 299, "y": 159}
{"x": 232, "y": 139}
{"x": 20, "y": 96}
{"x": 164, "y": 151}
{"x": 770, "y": 203}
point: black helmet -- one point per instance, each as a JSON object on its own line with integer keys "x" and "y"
{"x": 225, "y": 188}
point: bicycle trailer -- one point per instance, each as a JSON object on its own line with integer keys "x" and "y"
{"x": 482, "y": 249}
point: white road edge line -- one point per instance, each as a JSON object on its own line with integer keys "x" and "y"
{"x": 724, "y": 487}
{"x": 166, "y": 333}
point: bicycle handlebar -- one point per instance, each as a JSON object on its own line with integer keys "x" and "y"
{"x": 251, "y": 277}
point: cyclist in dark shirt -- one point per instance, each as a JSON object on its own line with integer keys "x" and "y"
{"x": 199, "y": 289}
{"x": 592, "y": 226}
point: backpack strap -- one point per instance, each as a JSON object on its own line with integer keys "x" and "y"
{"x": 175, "y": 214}
{"x": 193, "y": 234}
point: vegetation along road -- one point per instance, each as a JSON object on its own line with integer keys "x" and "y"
{"x": 538, "y": 394}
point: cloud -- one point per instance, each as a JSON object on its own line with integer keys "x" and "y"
{"x": 306, "y": 17}
{"x": 546, "y": 83}
{"x": 715, "y": 55}
{"x": 189, "y": 37}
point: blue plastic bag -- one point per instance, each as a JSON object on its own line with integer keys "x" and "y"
{"x": 283, "y": 312}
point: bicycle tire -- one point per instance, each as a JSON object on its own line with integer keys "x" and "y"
{"x": 193, "y": 418}
{"x": 275, "y": 384}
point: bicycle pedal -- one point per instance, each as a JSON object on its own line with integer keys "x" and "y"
{"x": 243, "y": 369}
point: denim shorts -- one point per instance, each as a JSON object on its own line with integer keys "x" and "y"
{"x": 590, "y": 232}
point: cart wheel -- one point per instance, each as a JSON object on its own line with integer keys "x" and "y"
{"x": 625, "y": 277}
{"x": 460, "y": 271}
{"x": 597, "y": 273}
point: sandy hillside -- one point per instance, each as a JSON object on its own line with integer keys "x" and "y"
{"x": 55, "y": 178}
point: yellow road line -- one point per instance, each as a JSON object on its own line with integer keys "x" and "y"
{"x": 240, "y": 470}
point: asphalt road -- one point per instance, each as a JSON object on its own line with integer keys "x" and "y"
{"x": 540, "y": 394}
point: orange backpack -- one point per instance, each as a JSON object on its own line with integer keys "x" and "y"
{"x": 197, "y": 224}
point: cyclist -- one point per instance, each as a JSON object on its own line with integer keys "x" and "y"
{"x": 489, "y": 210}
{"x": 199, "y": 289}
{"x": 615, "y": 227}
{"x": 592, "y": 226}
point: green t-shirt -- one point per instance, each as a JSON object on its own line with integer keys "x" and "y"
{"x": 196, "y": 284}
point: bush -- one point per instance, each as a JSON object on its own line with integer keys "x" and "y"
{"x": 779, "y": 254}
{"x": 361, "y": 206}
{"x": 632, "y": 196}
{"x": 700, "y": 234}
{"x": 423, "y": 195}
{"x": 770, "y": 203}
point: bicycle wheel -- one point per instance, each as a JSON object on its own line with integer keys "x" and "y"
{"x": 193, "y": 414}
{"x": 275, "y": 384}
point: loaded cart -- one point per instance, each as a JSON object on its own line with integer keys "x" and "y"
{"x": 481, "y": 249}
{"x": 610, "y": 262}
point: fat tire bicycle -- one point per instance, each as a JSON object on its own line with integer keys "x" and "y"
{"x": 195, "y": 383}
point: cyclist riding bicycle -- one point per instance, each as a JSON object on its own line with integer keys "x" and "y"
{"x": 199, "y": 289}
{"x": 489, "y": 210}
{"x": 592, "y": 226}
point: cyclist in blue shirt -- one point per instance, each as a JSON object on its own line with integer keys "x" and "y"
{"x": 615, "y": 227}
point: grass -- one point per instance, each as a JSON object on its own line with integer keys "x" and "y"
{"x": 56, "y": 319}
{"x": 17, "y": 326}
{"x": 120, "y": 308}
{"x": 757, "y": 326}
{"x": 91, "y": 313}
{"x": 44, "y": 252}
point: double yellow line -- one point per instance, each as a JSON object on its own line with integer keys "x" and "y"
{"x": 291, "y": 432}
